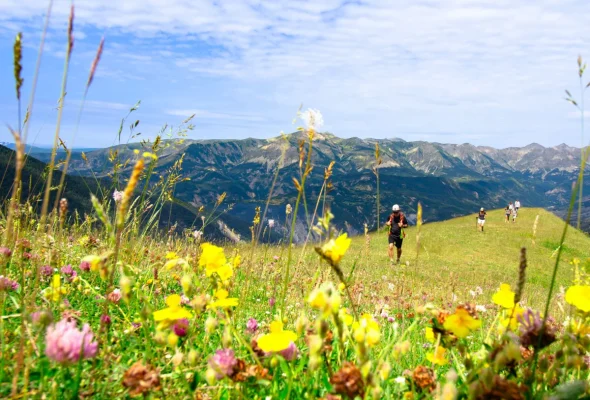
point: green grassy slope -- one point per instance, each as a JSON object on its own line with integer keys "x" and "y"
{"x": 455, "y": 258}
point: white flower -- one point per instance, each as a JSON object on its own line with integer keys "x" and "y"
{"x": 313, "y": 119}
{"x": 478, "y": 290}
{"x": 271, "y": 223}
{"x": 400, "y": 380}
{"x": 480, "y": 308}
{"x": 117, "y": 196}
{"x": 197, "y": 235}
{"x": 472, "y": 293}
{"x": 391, "y": 286}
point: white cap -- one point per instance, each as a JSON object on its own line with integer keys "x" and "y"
{"x": 481, "y": 209}
{"x": 395, "y": 207}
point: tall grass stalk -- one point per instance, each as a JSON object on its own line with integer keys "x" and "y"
{"x": 300, "y": 187}
{"x": 70, "y": 44}
{"x": 78, "y": 119}
{"x": 378, "y": 162}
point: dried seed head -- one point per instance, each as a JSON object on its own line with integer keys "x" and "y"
{"x": 95, "y": 63}
{"x": 18, "y": 67}
{"x": 521, "y": 275}
{"x": 141, "y": 379}
{"x": 423, "y": 377}
{"x": 348, "y": 381}
{"x": 63, "y": 207}
{"x": 71, "y": 31}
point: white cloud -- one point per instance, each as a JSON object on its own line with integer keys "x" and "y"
{"x": 478, "y": 67}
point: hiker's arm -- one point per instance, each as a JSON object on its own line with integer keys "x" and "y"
{"x": 403, "y": 223}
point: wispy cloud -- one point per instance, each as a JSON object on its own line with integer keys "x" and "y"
{"x": 204, "y": 114}
{"x": 374, "y": 67}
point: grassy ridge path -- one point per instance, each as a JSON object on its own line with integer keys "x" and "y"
{"x": 456, "y": 258}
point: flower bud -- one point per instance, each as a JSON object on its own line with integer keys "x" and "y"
{"x": 210, "y": 325}
{"x": 193, "y": 357}
{"x": 211, "y": 376}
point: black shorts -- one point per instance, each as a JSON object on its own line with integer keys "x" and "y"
{"x": 396, "y": 240}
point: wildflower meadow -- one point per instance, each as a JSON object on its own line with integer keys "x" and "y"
{"x": 109, "y": 305}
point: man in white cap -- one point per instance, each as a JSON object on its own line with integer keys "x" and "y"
{"x": 481, "y": 219}
{"x": 397, "y": 221}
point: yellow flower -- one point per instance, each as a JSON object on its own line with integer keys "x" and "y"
{"x": 429, "y": 333}
{"x": 277, "y": 340}
{"x": 94, "y": 262}
{"x": 325, "y": 298}
{"x": 461, "y": 323}
{"x": 579, "y": 297}
{"x": 366, "y": 330}
{"x": 55, "y": 290}
{"x": 236, "y": 261}
{"x": 212, "y": 258}
{"x": 174, "y": 262}
{"x": 173, "y": 312}
{"x": 504, "y": 297}
{"x": 171, "y": 255}
{"x": 346, "y": 317}
{"x": 225, "y": 272}
{"x": 334, "y": 250}
{"x": 222, "y": 300}
{"x": 512, "y": 323}
{"x": 341, "y": 287}
{"x": 438, "y": 357}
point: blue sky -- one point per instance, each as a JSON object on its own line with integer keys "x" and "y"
{"x": 453, "y": 71}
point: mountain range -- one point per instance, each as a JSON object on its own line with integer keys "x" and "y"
{"x": 449, "y": 180}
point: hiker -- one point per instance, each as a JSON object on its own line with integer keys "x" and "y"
{"x": 396, "y": 222}
{"x": 517, "y": 205}
{"x": 507, "y": 212}
{"x": 481, "y": 219}
{"x": 510, "y": 206}
{"x": 514, "y": 214}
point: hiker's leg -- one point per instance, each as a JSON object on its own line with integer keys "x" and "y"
{"x": 390, "y": 251}
{"x": 399, "y": 253}
{"x": 398, "y": 244}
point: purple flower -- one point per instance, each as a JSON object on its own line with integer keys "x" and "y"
{"x": 46, "y": 270}
{"x": 69, "y": 272}
{"x": 85, "y": 266}
{"x": 27, "y": 255}
{"x": 271, "y": 302}
{"x": 41, "y": 318}
{"x": 136, "y": 325}
{"x": 223, "y": 363}
{"x": 252, "y": 325}
{"x": 66, "y": 344}
{"x": 5, "y": 251}
{"x": 276, "y": 258}
{"x": 290, "y": 352}
{"x": 181, "y": 327}
{"x": 390, "y": 319}
{"x": 115, "y": 296}
{"x": 7, "y": 284}
{"x": 105, "y": 319}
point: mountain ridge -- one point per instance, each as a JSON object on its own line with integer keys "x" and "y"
{"x": 448, "y": 179}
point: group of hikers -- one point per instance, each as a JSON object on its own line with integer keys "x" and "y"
{"x": 397, "y": 222}
{"x": 511, "y": 210}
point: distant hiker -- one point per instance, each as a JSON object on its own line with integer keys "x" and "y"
{"x": 396, "y": 222}
{"x": 507, "y": 212}
{"x": 510, "y": 206}
{"x": 481, "y": 219}
{"x": 517, "y": 205}
{"x": 514, "y": 215}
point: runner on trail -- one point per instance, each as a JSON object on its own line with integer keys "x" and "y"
{"x": 481, "y": 219}
{"x": 514, "y": 214}
{"x": 396, "y": 222}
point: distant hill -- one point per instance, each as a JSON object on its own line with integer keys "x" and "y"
{"x": 450, "y": 180}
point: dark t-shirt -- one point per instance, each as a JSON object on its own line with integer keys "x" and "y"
{"x": 394, "y": 229}
{"x": 482, "y": 215}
